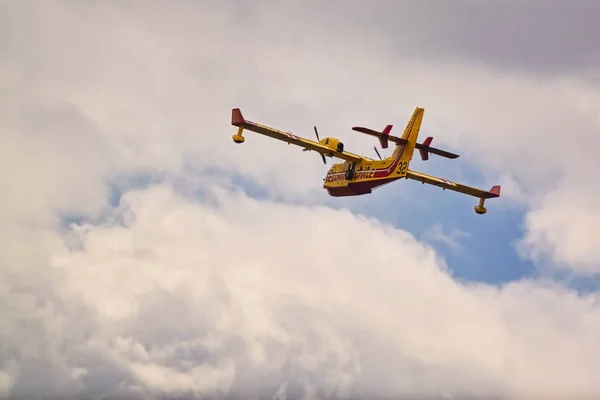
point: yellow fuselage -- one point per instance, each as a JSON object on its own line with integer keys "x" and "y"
{"x": 356, "y": 178}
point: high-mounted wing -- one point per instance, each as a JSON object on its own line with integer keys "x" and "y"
{"x": 424, "y": 148}
{"x": 238, "y": 120}
{"x": 457, "y": 187}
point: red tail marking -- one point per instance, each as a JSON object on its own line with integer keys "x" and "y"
{"x": 236, "y": 117}
{"x": 424, "y": 152}
{"x": 495, "y": 190}
{"x": 383, "y": 139}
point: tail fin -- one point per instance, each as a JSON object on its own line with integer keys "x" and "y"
{"x": 383, "y": 139}
{"x": 411, "y": 133}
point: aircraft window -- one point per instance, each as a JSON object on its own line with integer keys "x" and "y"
{"x": 368, "y": 167}
{"x": 327, "y": 141}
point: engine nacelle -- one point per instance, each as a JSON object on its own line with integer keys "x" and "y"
{"x": 333, "y": 143}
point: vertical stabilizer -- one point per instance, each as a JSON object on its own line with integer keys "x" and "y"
{"x": 411, "y": 133}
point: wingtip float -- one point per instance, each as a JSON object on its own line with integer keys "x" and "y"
{"x": 359, "y": 175}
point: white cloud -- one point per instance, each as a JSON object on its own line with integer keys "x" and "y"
{"x": 565, "y": 227}
{"x": 198, "y": 297}
{"x": 167, "y": 99}
{"x": 436, "y": 234}
{"x": 235, "y": 293}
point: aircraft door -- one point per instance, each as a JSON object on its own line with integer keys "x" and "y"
{"x": 350, "y": 171}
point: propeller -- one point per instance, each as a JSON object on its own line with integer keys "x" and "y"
{"x": 318, "y": 139}
{"x": 377, "y": 151}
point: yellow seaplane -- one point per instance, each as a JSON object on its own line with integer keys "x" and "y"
{"x": 359, "y": 175}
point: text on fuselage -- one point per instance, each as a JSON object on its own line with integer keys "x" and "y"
{"x": 364, "y": 174}
{"x": 342, "y": 176}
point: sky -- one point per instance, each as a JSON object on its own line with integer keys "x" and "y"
{"x": 146, "y": 255}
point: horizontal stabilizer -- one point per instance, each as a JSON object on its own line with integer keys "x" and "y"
{"x": 423, "y": 148}
{"x": 383, "y": 135}
{"x": 368, "y": 131}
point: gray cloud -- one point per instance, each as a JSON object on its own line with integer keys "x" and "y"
{"x": 544, "y": 37}
{"x": 536, "y": 37}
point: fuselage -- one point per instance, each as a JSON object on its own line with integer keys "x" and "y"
{"x": 357, "y": 178}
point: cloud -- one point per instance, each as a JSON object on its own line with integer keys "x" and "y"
{"x": 188, "y": 297}
{"x": 508, "y": 35}
{"x": 563, "y": 231}
{"x": 436, "y": 234}
{"x": 168, "y": 294}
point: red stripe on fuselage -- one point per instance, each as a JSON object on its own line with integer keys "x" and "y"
{"x": 383, "y": 172}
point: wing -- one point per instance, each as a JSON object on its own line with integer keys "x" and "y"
{"x": 457, "y": 187}
{"x": 238, "y": 120}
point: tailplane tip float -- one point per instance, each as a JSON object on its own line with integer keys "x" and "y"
{"x": 359, "y": 175}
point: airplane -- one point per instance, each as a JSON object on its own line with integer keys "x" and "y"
{"x": 359, "y": 175}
